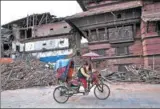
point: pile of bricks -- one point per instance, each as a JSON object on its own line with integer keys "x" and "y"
{"x": 134, "y": 74}
{"x": 25, "y": 74}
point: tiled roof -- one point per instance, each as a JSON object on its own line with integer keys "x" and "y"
{"x": 110, "y": 8}
{"x": 154, "y": 16}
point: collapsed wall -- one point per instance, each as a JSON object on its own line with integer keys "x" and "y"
{"x": 6, "y": 45}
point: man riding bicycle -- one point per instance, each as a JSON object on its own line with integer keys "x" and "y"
{"x": 83, "y": 75}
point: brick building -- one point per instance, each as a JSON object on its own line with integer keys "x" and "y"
{"x": 123, "y": 32}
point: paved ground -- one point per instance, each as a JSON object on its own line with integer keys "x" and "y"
{"x": 122, "y": 96}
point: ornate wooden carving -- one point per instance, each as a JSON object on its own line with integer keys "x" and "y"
{"x": 120, "y": 34}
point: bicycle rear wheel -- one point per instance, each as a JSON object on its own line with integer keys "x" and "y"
{"x": 60, "y": 94}
{"x": 102, "y": 91}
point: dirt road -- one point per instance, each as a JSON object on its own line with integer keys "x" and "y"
{"x": 123, "y": 95}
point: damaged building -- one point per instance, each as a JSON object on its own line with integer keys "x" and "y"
{"x": 39, "y": 35}
{"x": 122, "y": 32}
{"x": 6, "y": 45}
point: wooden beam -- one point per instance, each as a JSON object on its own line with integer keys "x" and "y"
{"x": 41, "y": 19}
{"x": 27, "y": 20}
{"x": 33, "y": 20}
{"x": 109, "y": 25}
{"x": 46, "y": 18}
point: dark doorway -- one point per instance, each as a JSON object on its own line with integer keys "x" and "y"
{"x": 6, "y": 47}
{"x": 22, "y": 34}
{"x": 17, "y": 48}
{"x": 29, "y": 33}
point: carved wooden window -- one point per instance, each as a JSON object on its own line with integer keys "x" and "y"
{"x": 102, "y": 34}
{"x": 121, "y": 34}
{"x": 93, "y": 35}
{"x": 120, "y": 51}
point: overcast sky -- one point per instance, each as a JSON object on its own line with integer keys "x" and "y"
{"x": 12, "y": 10}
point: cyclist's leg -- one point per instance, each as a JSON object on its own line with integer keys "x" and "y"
{"x": 84, "y": 83}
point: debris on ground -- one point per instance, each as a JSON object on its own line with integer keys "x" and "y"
{"x": 134, "y": 74}
{"x": 25, "y": 74}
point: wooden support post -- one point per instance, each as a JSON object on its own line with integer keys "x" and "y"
{"x": 90, "y": 37}
{"x": 41, "y": 20}
{"x": 134, "y": 30}
{"x": 27, "y": 21}
{"x": 33, "y": 20}
{"x": 33, "y": 30}
{"x": 36, "y": 20}
{"x": 106, "y": 34}
{"x": 97, "y": 35}
{"x": 25, "y": 37}
{"x": 153, "y": 62}
{"x": 78, "y": 40}
{"x": 46, "y": 18}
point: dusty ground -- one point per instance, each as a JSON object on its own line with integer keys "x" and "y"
{"x": 122, "y": 95}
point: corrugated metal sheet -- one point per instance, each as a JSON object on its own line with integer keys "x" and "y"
{"x": 110, "y": 8}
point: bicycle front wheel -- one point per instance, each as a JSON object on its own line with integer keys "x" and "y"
{"x": 60, "y": 94}
{"x": 102, "y": 91}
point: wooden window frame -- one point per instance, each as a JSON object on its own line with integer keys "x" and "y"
{"x": 99, "y": 50}
{"x": 126, "y": 51}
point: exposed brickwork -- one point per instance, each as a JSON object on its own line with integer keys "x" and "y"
{"x": 152, "y": 62}
{"x": 136, "y": 48}
{"x": 99, "y": 46}
{"x": 112, "y": 64}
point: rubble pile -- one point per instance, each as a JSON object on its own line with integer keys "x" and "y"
{"x": 135, "y": 75}
{"x": 25, "y": 74}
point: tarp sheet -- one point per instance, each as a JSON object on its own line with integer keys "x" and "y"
{"x": 52, "y": 59}
{"x": 62, "y": 63}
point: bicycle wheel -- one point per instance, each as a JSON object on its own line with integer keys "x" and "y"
{"x": 60, "y": 94}
{"x": 102, "y": 91}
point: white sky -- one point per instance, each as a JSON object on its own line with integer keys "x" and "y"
{"x": 13, "y": 10}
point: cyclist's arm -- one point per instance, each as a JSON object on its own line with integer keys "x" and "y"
{"x": 84, "y": 74}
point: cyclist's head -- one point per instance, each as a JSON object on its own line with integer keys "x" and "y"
{"x": 87, "y": 65}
